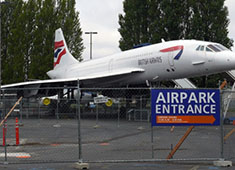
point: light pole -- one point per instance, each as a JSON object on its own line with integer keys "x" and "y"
{"x": 91, "y": 33}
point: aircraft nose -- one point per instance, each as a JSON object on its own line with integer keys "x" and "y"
{"x": 224, "y": 61}
{"x": 231, "y": 59}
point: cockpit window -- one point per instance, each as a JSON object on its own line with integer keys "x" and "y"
{"x": 208, "y": 49}
{"x": 214, "y": 48}
{"x": 202, "y": 48}
{"x": 198, "y": 48}
{"x": 221, "y": 47}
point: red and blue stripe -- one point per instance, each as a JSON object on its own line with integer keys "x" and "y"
{"x": 59, "y": 52}
{"x": 174, "y": 48}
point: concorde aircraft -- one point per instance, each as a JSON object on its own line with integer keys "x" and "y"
{"x": 163, "y": 61}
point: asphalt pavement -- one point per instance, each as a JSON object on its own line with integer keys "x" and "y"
{"x": 53, "y": 144}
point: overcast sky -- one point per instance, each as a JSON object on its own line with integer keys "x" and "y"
{"x": 102, "y": 16}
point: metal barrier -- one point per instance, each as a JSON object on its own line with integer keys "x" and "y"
{"x": 228, "y": 114}
{"x": 105, "y": 125}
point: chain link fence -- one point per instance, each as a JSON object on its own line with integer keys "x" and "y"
{"x": 103, "y": 125}
{"x": 228, "y": 114}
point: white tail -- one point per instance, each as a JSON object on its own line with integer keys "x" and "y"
{"x": 62, "y": 56}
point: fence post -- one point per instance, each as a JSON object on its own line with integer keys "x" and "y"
{"x": 27, "y": 114}
{"x": 79, "y": 124}
{"x": 21, "y": 112}
{"x": 221, "y": 126}
{"x": 39, "y": 108}
{"x": 4, "y": 125}
{"x": 152, "y": 141}
{"x": 118, "y": 112}
{"x": 97, "y": 115}
{"x": 141, "y": 109}
{"x": 57, "y": 109}
{"x": 80, "y": 164}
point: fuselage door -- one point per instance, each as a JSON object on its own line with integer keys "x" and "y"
{"x": 171, "y": 58}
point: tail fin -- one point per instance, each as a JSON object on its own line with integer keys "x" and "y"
{"x": 62, "y": 56}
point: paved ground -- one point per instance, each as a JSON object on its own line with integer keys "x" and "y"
{"x": 49, "y": 140}
{"x": 117, "y": 166}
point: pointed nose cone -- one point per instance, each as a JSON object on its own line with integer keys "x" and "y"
{"x": 231, "y": 60}
{"x": 225, "y": 61}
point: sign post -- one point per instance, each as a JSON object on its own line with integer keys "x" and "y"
{"x": 180, "y": 107}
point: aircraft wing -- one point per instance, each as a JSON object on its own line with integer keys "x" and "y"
{"x": 116, "y": 78}
{"x": 97, "y": 80}
{"x": 40, "y": 83}
{"x": 38, "y": 88}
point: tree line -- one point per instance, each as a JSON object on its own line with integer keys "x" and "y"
{"x": 28, "y": 28}
{"x": 151, "y": 20}
{"x": 27, "y": 36}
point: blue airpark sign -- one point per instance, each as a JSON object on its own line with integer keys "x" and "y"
{"x": 179, "y": 107}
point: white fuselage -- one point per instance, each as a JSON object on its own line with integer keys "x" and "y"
{"x": 161, "y": 61}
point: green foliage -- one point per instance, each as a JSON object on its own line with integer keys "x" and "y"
{"x": 12, "y": 66}
{"x": 134, "y": 25}
{"x": 175, "y": 19}
{"x": 70, "y": 25}
{"x": 209, "y": 22}
{"x": 28, "y": 36}
{"x": 150, "y": 20}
